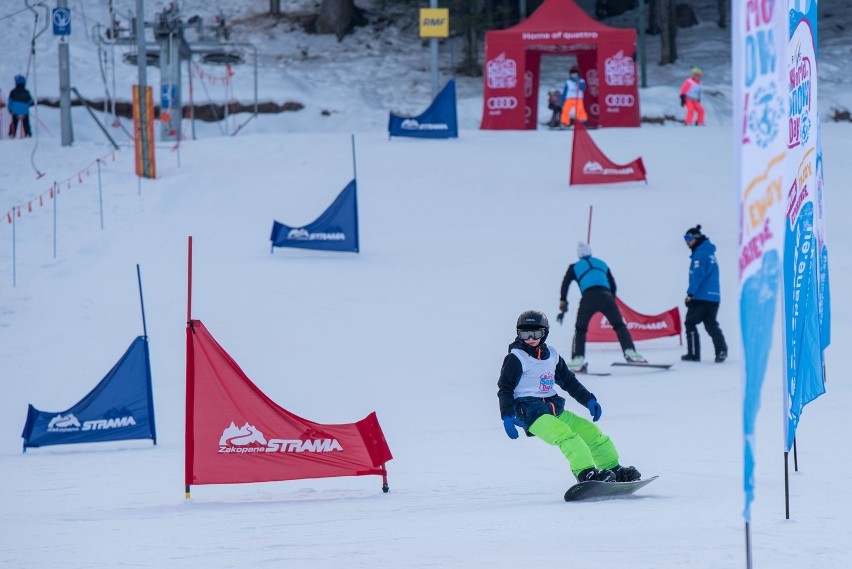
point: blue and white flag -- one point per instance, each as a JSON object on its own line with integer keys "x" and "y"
{"x": 335, "y": 230}
{"x": 438, "y": 121}
{"x": 760, "y": 116}
{"x": 802, "y": 249}
{"x": 120, "y": 407}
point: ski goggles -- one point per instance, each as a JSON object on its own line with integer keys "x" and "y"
{"x": 534, "y": 334}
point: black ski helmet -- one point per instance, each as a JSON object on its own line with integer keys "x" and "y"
{"x": 533, "y": 320}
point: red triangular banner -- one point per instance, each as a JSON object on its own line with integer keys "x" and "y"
{"x": 236, "y": 434}
{"x": 641, "y": 326}
{"x": 589, "y": 165}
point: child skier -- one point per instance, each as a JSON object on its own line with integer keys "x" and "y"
{"x": 527, "y": 398}
{"x": 19, "y": 103}
{"x": 554, "y": 103}
{"x": 690, "y": 97}
{"x": 572, "y": 98}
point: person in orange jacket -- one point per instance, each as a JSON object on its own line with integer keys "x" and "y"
{"x": 690, "y": 97}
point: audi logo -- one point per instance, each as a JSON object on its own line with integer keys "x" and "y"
{"x": 495, "y": 103}
{"x": 623, "y": 100}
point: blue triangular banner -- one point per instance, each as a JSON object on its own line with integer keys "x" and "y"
{"x": 335, "y": 230}
{"x": 438, "y": 121}
{"x": 120, "y": 407}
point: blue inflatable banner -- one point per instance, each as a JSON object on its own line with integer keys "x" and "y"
{"x": 335, "y": 230}
{"x": 120, "y": 407}
{"x": 438, "y": 121}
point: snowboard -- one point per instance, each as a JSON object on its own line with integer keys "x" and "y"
{"x": 594, "y": 490}
{"x": 638, "y": 364}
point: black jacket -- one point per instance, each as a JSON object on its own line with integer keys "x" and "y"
{"x": 511, "y": 372}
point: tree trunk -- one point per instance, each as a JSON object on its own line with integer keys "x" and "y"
{"x": 275, "y": 7}
{"x": 653, "y": 17}
{"x": 336, "y": 17}
{"x": 723, "y": 13}
{"x": 668, "y": 32}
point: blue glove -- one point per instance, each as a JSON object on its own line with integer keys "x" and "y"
{"x": 594, "y": 409}
{"x": 509, "y": 426}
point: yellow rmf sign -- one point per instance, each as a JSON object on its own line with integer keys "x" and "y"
{"x": 434, "y": 22}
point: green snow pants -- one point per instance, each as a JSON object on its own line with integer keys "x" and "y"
{"x": 580, "y": 440}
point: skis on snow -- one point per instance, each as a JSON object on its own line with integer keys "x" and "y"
{"x": 596, "y": 490}
{"x": 640, "y": 364}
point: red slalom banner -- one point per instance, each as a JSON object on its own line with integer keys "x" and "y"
{"x": 641, "y": 326}
{"x": 589, "y": 165}
{"x": 236, "y": 434}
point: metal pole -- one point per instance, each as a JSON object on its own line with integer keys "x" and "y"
{"x": 14, "y": 244}
{"x": 55, "y": 200}
{"x": 141, "y": 62}
{"x": 642, "y": 70}
{"x": 433, "y": 48}
{"x": 65, "y": 86}
{"x": 100, "y": 194}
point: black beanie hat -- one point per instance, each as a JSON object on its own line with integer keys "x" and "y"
{"x": 693, "y": 233}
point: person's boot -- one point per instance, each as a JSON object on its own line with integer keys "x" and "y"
{"x": 593, "y": 474}
{"x": 634, "y": 357}
{"x": 625, "y": 473}
{"x": 721, "y": 356}
{"x": 577, "y": 364}
{"x": 693, "y": 348}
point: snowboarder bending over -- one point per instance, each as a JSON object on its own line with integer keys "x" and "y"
{"x": 528, "y": 399}
{"x": 597, "y": 290}
{"x": 702, "y": 297}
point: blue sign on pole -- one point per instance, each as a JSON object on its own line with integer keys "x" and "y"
{"x": 61, "y": 22}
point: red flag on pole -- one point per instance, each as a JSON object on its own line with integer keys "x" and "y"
{"x": 236, "y": 434}
{"x": 589, "y": 165}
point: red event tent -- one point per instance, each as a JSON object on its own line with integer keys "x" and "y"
{"x": 604, "y": 55}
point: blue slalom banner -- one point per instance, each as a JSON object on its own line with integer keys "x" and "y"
{"x": 335, "y": 230}
{"x": 120, "y": 407}
{"x": 440, "y": 120}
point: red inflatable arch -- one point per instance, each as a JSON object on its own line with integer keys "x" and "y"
{"x": 605, "y": 56}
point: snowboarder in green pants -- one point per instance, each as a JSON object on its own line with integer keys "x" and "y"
{"x": 528, "y": 398}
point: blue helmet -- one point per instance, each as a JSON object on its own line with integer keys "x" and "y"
{"x": 20, "y": 80}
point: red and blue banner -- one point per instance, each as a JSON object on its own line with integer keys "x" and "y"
{"x": 440, "y": 120}
{"x": 120, "y": 407}
{"x": 335, "y": 230}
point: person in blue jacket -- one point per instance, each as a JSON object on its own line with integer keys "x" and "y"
{"x": 19, "y": 104}
{"x": 528, "y": 398}
{"x": 597, "y": 290}
{"x": 702, "y": 297}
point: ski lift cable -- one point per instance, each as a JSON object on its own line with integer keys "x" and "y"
{"x": 36, "y": 34}
{"x": 22, "y": 10}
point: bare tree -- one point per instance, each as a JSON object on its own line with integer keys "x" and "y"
{"x": 275, "y": 7}
{"x": 723, "y": 13}
{"x": 336, "y": 17}
{"x": 668, "y": 32}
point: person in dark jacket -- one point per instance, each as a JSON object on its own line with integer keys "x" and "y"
{"x": 597, "y": 290}
{"x": 525, "y": 391}
{"x": 702, "y": 297}
{"x": 19, "y": 104}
